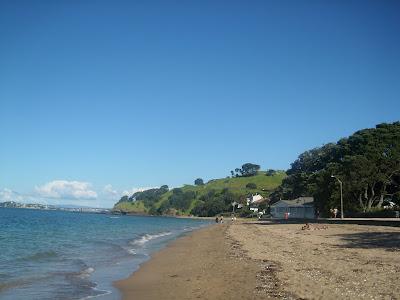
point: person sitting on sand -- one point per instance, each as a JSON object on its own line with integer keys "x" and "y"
{"x": 216, "y": 219}
{"x": 222, "y": 219}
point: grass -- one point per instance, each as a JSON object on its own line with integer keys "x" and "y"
{"x": 132, "y": 207}
{"x": 265, "y": 184}
{"x": 237, "y": 185}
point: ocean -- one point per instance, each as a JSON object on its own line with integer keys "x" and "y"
{"x": 70, "y": 255}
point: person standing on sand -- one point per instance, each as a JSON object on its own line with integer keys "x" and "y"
{"x": 335, "y": 211}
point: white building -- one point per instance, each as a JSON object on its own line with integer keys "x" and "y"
{"x": 255, "y": 199}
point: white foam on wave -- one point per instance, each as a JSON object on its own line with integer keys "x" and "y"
{"x": 86, "y": 272}
{"x": 189, "y": 228}
{"x": 148, "y": 237}
{"x": 103, "y": 293}
{"x": 131, "y": 251}
{"x": 140, "y": 242}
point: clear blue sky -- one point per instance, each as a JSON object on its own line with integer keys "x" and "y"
{"x": 143, "y": 93}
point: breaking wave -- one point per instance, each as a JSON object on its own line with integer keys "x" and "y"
{"x": 148, "y": 237}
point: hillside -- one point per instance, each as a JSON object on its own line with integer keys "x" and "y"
{"x": 204, "y": 200}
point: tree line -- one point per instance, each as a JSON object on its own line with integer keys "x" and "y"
{"x": 367, "y": 162}
{"x": 247, "y": 170}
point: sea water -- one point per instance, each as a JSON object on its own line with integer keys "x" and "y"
{"x": 69, "y": 255}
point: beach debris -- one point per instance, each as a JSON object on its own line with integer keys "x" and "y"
{"x": 308, "y": 226}
{"x": 268, "y": 285}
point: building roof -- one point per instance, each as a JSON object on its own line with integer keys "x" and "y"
{"x": 257, "y": 198}
{"x": 301, "y": 201}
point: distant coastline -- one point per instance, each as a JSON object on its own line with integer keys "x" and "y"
{"x": 37, "y": 206}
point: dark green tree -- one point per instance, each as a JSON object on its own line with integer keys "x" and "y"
{"x": 270, "y": 172}
{"x": 238, "y": 171}
{"x": 124, "y": 198}
{"x": 199, "y": 181}
{"x": 249, "y": 169}
{"x": 368, "y": 163}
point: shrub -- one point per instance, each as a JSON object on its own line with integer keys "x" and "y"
{"x": 251, "y": 185}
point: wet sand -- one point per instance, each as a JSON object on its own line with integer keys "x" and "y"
{"x": 247, "y": 260}
{"x": 204, "y": 265}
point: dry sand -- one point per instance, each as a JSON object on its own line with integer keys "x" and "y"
{"x": 328, "y": 261}
{"x": 280, "y": 261}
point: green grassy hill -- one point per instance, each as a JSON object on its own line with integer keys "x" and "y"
{"x": 231, "y": 189}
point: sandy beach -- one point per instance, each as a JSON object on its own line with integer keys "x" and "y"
{"x": 249, "y": 260}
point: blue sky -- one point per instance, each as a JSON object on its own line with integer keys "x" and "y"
{"x": 102, "y": 97}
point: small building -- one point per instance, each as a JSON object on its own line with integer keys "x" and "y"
{"x": 254, "y": 209}
{"x": 255, "y": 199}
{"x": 300, "y": 208}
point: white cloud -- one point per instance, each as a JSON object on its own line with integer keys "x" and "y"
{"x": 109, "y": 193}
{"x": 63, "y": 189}
{"x": 108, "y": 189}
{"x": 9, "y": 195}
{"x": 59, "y": 192}
{"x": 135, "y": 190}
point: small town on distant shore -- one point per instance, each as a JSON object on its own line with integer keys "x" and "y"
{"x": 13, "y": 204}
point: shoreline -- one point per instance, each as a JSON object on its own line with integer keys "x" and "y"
{"x": 248, "y": 260}
{"x": 203, "y": 264}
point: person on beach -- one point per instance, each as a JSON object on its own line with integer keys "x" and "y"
{"x": 335, "y": 211}
{"x": 222, "y": 219}
{"x": 216, "y": 219}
